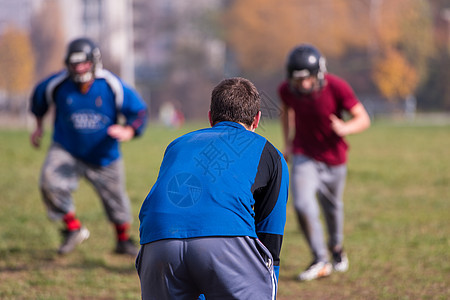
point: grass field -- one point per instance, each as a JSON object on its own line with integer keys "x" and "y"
{"x": 397, "y": 206}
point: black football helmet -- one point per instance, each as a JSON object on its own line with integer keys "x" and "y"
{"x": 304, "y": 61}
{"x": 82, "y": 50}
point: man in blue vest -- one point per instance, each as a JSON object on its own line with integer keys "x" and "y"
{"x": 88, "y": 103}
{"x": 213, "y": 222}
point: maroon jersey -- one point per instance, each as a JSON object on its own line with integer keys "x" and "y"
{"x": 313, "y": 134}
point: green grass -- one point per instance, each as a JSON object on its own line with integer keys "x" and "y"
{"x": 397, "y": 228}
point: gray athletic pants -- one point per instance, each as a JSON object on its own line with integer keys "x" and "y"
{"x": 218, "y": 267}
{"x": 313, "y": 182}
{"x": 60, "y": 177}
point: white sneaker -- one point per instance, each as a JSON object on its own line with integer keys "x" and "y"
{"x": 316, "y": 270}
{"x": 340, "y": 261}
{"x": 73, "y": 239}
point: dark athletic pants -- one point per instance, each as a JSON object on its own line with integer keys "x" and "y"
{"x": 218, "y": 267}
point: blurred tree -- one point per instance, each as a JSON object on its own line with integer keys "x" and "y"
{"x": 47, "y": 36}
{"x": 395, "y": 77}
{"x": 404, "y": 38}
{"x": 399, "y": 32}
{"x": 251, "y": 31}
{"x": 434, "y": 93}
{"x": 262, "y": 32}
{"x": 17, "y": 65}
{"x": 16, "y": 61}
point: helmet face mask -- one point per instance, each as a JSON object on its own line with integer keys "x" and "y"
{"x": 80, "y": 52}
{"x": 305, "y": 63}
{"x": 303, "y": 85}
{"x": 81, "y": 72}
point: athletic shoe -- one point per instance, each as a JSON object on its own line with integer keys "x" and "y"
{"x": 316, "y": 270}
{"x": 73, "y": 239}
{"x": 340, "y": 261}
{"x": 126, "y": 247}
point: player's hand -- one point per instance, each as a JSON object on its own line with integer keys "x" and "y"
{"x": 35, "y": 137}
{"x": 121, "y": 133}
{"x": 338, "y": 126}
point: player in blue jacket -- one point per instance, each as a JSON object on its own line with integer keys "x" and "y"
{"x": 213, "y": 222}
{"x": 88, "y": 103}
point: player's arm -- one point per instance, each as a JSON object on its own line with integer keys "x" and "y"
{"x": 39, "y": 106}
{"x": 286, "y": 117}
{"x": 134, "y": 109}
{"x": 38, "y": 132}
{"x": 359, "y": 121}
{"x": 270, "y": 192}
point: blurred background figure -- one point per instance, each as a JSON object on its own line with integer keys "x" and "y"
{"x": 313, "y": 102}
{"x": 170, "y": 116}
{"x": 88, "y": 102}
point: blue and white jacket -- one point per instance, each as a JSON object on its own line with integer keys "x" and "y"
{"x": 81, "y": 120}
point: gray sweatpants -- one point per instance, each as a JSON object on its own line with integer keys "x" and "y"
{"x": 60, "y": 176}
{"x": 218, "y": 267}
{"x": 313, "y": 182}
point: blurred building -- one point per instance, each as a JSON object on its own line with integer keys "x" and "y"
{"x": 149, "y": 43}
{"x": 126, "y": 29}
{"x": 109, "y": 23}
{"x": 161, "y": 25}
{"x": 17, "y": 13}
{"x": 179, "y": 51}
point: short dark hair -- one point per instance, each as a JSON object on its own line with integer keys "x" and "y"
{"x": 236, "y": 100}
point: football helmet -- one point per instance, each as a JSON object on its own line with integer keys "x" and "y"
{"x": 79, "y": 51}
{"x": 304, "y": 61}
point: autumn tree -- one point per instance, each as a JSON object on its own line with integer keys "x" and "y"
{"x": 263, "y": 31}
{"x": 395, "y": 77}
{"x": 403, "y": 31}
{"x": 17, "y": 65}
{"x": 394, "y": 36}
